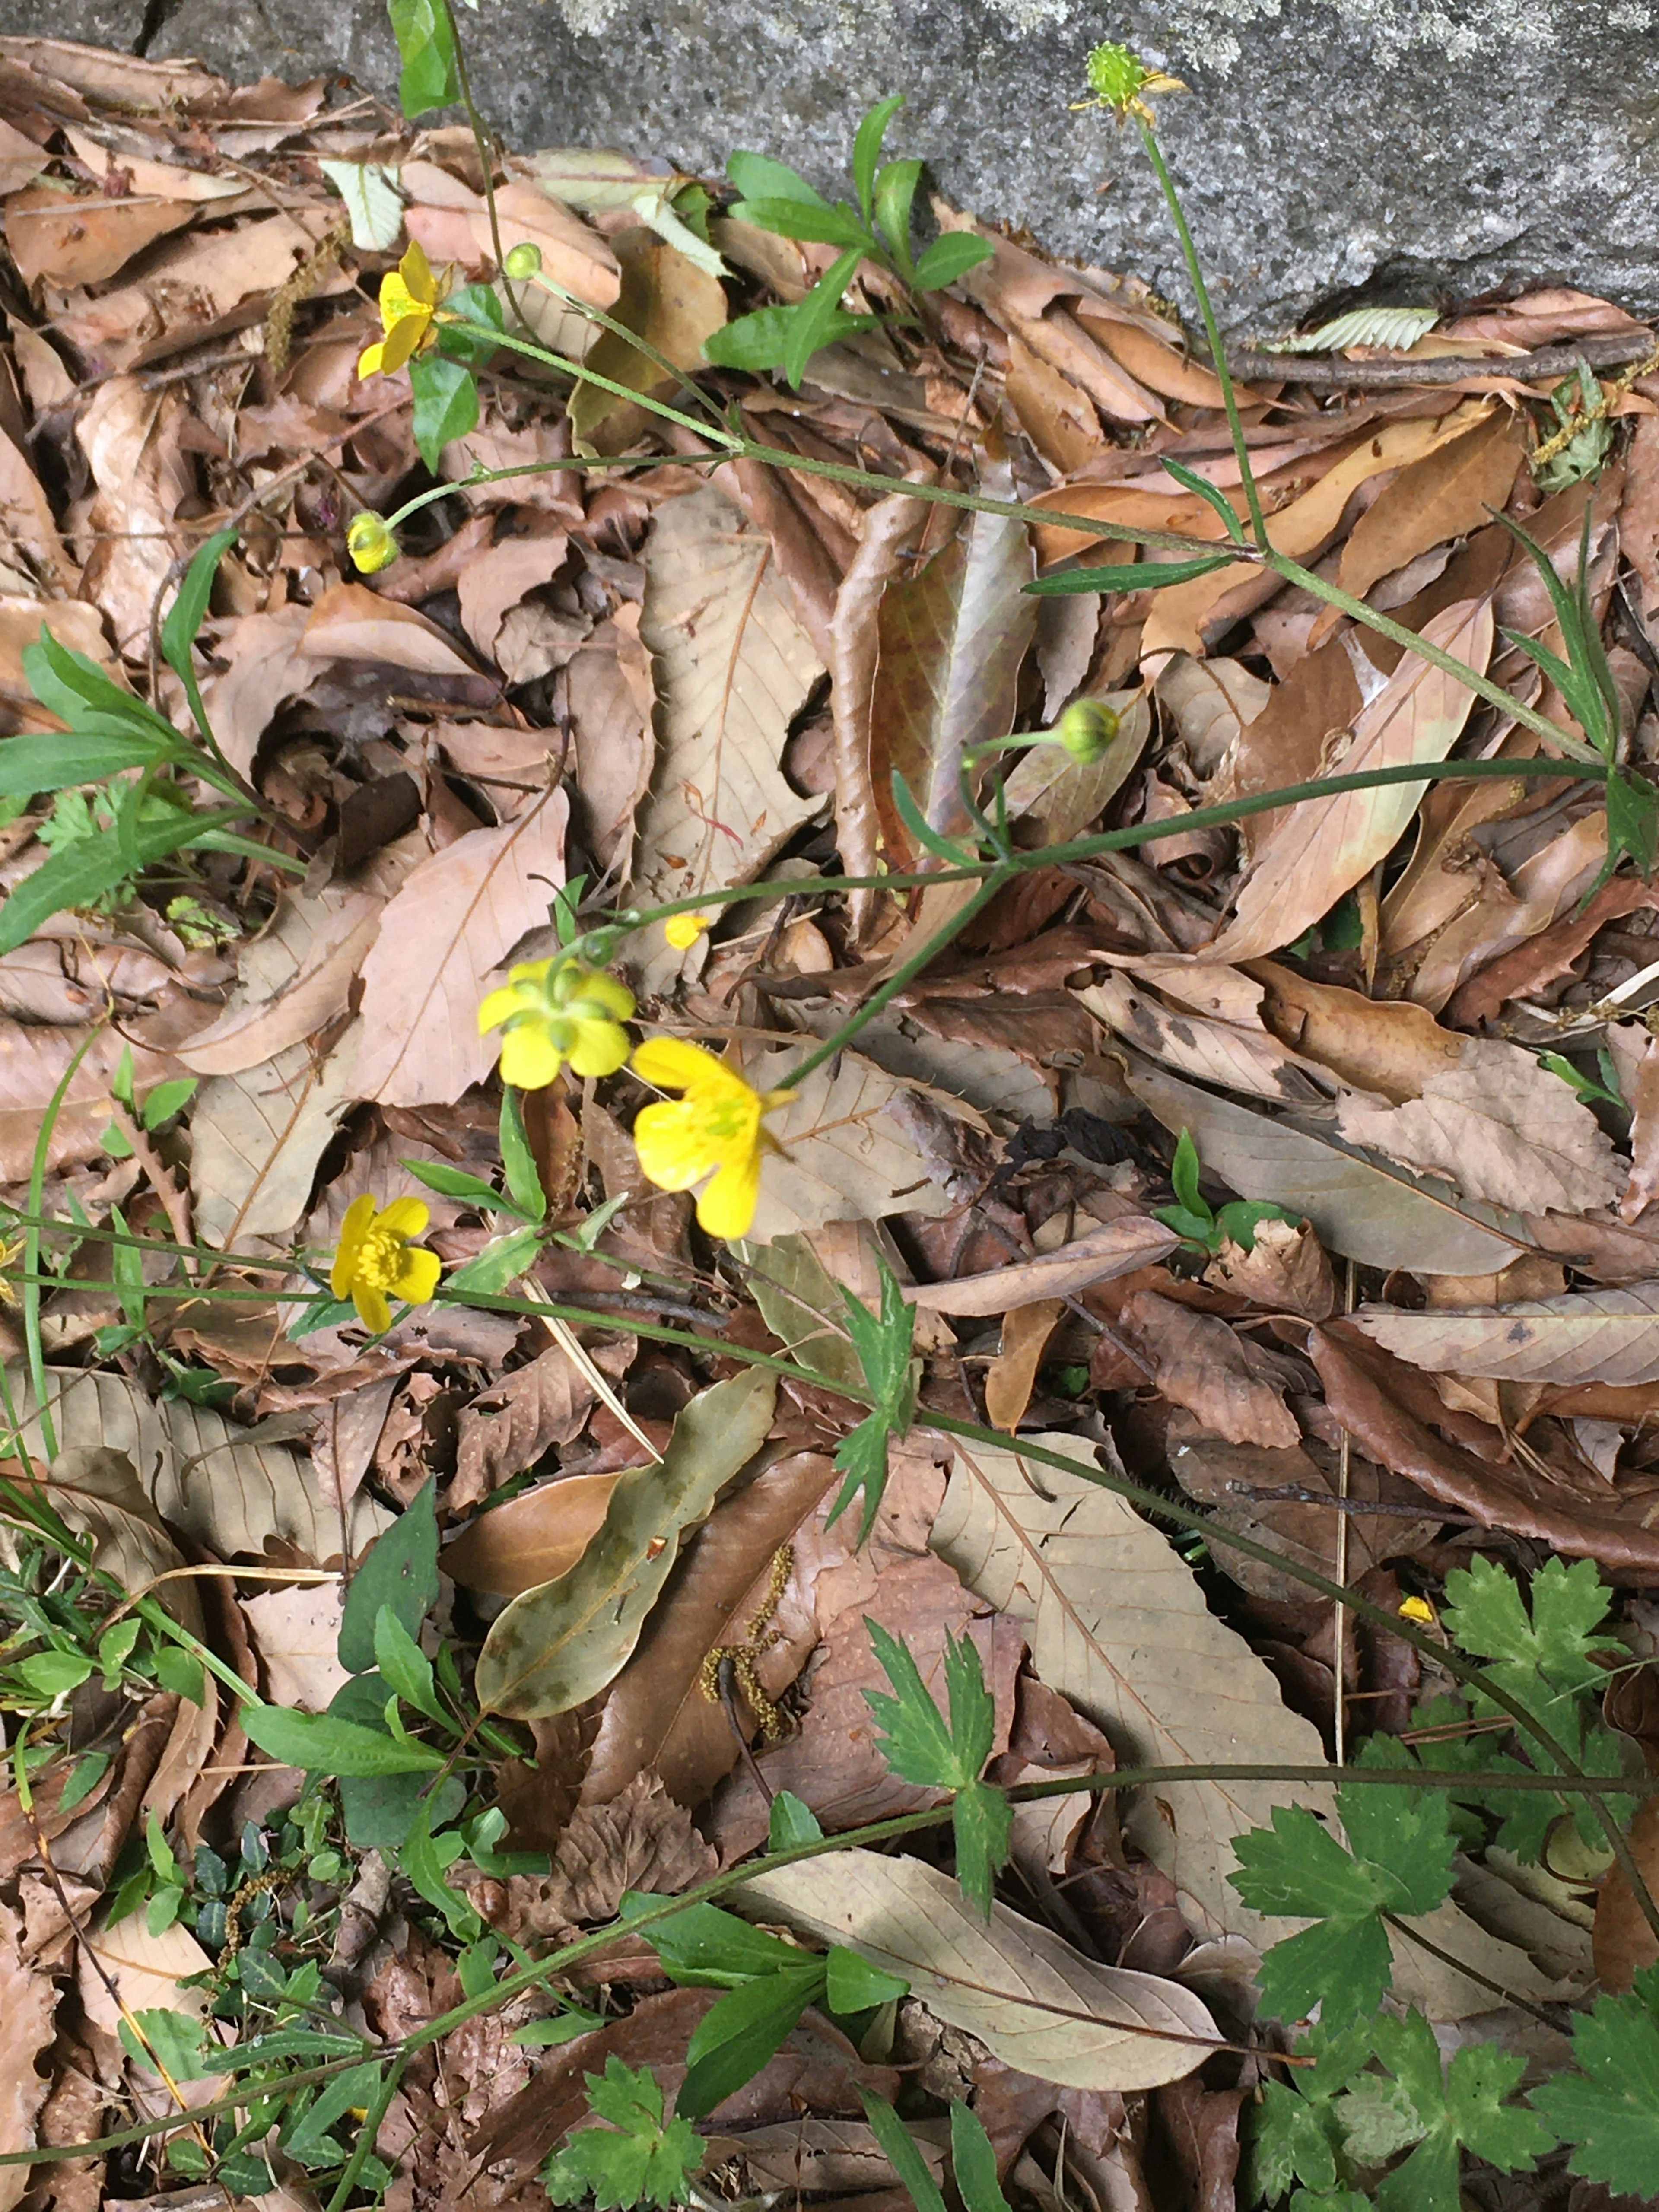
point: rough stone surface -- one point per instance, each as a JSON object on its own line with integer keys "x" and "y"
{"x": 1401, "y": 149}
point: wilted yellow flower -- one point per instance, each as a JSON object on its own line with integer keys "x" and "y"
{"x": 1417, "y": 1609}
{"x": 1118, "y": 79}
{"x": 554, "y": 1011}
{"x": 682, "y": 930}
{"x": 377, "y": 1256}
{"x": 714, "y": 1129}
{"x": 409, "y": 302}
{"x": 369, "y": 542}
{"x": 1086, "y": 730}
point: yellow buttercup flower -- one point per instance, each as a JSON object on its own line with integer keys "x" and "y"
{"x": 377, "y": 1256}
{"x": 409, "y": 302}
{"x": 1417, "y": 1609}
{"x": 714, "y": 1129}
{"x": 682, "y": 930}
{"x": 554, "y": 1011}
{"x": 370, "y": 543}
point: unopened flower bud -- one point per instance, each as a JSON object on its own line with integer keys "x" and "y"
{"x": 1119, "y": 79}
{"x": 370, "y": 543}
{"x": 1086, "y": 730}
{"x": 523, "y": 261}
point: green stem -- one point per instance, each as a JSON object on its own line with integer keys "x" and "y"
{"x": 1217, "y": 352}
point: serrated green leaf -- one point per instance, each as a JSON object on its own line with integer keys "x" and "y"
{"x": 79, "y": 873}
{"x": 1463, "y": 2107}
{"x": 1608, "y": 2112}
{"x": 636, "y": 2160}
{"x": 446, "y": 405}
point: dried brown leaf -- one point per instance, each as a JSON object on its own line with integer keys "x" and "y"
{"x": 1589, "y": 1336}
{"x": 1117, "y": 1248}
{"x": 1447, "y": 494}
{"x": 534, "y": 1538}
{"x": 28, "y": 2001}
{"x": 1196, "y": 1361}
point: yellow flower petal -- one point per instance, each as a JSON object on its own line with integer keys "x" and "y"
{"x": 726, "y": 1208}
{"x": 371, "y": 362}
{"x": 373, "y": 1310}
{"x": 529, "y": 1059}
{"x": 405, "y": 1217}
{"x": 499, "y": 1007}
{"x": 417, "y": 1276}
{"x": 672, "y": 1153}
{"x": 398, "y": 302}
{"x": 353, "y": 1229}
{"x": 403, "y": 341}
{"x": 682, "y": 930}
{"x": 416, "y": 273}
{"x": 601, "y": 1048}
{"x": 674, "y": 1064}
{"x": 602, "y": 990}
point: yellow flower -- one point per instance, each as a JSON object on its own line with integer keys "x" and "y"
{"x": 554, "y": 1011}
{"x": 1118, "y": 78}
{"x": 377, "y": 1256}
{"x": 1417, "y": 1609}
{"x": 409, "y": 301}
{"x": 370, "y": 543}
{"x": 682, "y": 930}
{"x": 715, "y": 1127}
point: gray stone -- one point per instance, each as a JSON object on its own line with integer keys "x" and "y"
{"x": 1403, "y": 149}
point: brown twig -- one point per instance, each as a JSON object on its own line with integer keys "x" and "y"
{"x": 1338, "y": 375}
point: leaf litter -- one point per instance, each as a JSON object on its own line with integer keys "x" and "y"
{"x": 1299, "y": 1170}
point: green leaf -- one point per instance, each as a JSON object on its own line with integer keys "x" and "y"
{"x": 758, "y": 177}
{"x": 791, "y": 1822}
{"x": 166, "y": 1099}
{"x": 54, "y": 1673}
{"x": 1184, "y": 1172}
{"x": 1292, "y": 2140}
{"x": 1201, "y": 488}
{"x": 703, "y": 1947}
{"x": 320, "y": 1744}
{"x": 1130, "y": 576}
{"x": 177, "y": 1671}
{"x": 1464, "y": 2108}
{"x": 563, "y": 2028}
{"x": 82, "y": 872}
{"x": 852, "y": 1984}
{"x": 1545, "y": 1659}
{"x": 817, "y": 222}
{"x": 350, "y": 2092}
{"x": 177, "y": 2039}
{"x": 404, "y": 1667}
{"x": 760, "y": 341}
{"x": 456, "y": 1182}
{"x": 974, "y": 2161}
{"x": 478, "y": 304}
{"x": 185, "y": 616}
{"x": 814, "y": 321}
{"x": 922, "y": 830}
{"x": 1632, "y": 820}
{"x": 524, "y": 1183}
{"x": 426, "y": 44}
{"x": 425, "y": 1859}
{"x": 79, "y": 693}
{"x": 882, "y": 1341}
{"x": 902, "y": 2153}
{"x": 895, "y": 193}
{"x": 946, "y": 258}
{"x": 88, "y": 1771}
{"x": 1608, "y": 2112}
{"x": 446, "y": 405}
{"x": 32, "y": 764}
{"x": 400, "y": 1569}
{"x": 736, "y": 2038}
{"x": 502, "y": 1259}
{"x": 636, "y": 2160}
{"x": 920, "y": 1747}
{"x": 1405, "y": 1833}
{"x": 866, "y": 149}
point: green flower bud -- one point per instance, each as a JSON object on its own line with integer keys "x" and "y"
{"x": 1086, "y": 730}
{"x": 1118, "y": 78}
{"x": 370, "y": 543}
{"x": 523, "y": 261}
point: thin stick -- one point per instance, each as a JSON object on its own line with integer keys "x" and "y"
{"x": 1252, "y": 367}
{"x": 1340, "y": 1619}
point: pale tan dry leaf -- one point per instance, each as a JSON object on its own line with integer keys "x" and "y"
{"x": 997, "y": 1982}
{"x": 609, "y": 688}
{"x": 1588, "y": 1336}
{"x": 1385, "y": 1045}
{"x": 1503, "y": 911}
{"x": 845, "y": 1157}
{"x": 264, "y": 667}
{"x": 1447, "y": 494}
{"x": 1211, "y": 702}
{"x": 200, "y": 1474}
{"x": 28, "y": 2001}
{"x": 296, "y": 1633}
{"x": 495, "y": 580}
{"x": 1324, "y": 847}
{"x": 295, "y": 978}
{"x": 1011, "y": 1375}
{"x": 733, "y": 664}
{"x": 87, "y": 240}
{"x": 351, "y": 622}
{"x": 1638, "y": 1063}
{"x": 1197, "y": 1362}
{"x": 1286, "y": 1267}
{"x": 1502, "y": 1128}
{"x": 1060, "y": 420}
{"x": 889, "y": 526}
{"x": 1357, "y": 1208}
{"x": 1117, "y": 1248}
{"x": 149, "y": 1972}
{"x": 1063, "y": 796}
{"x": 133, "y": 441}
{"x": 256, "y": 1139}
{"x": 95, "y": 1487}
{"x": 456, "y": 916}
{"x": 572, "y": 254}
{"x": 29, "y": 528}
{"x": 34, "y": 1061}
{"x": 983, "y": 1073}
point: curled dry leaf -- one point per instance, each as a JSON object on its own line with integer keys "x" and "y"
{"x": 565, "y": 1640}
{"x": 507, "y": 1427}
{"x": 846, "y": 1157}
{"x": 1502, "y": 1127}
{"x": 1197, "y": 1362}
{"x": 1011, "y": 1375}
{"x": 639, "y": 1840}
{"x": 1285, "y": 1267}
{"x": 1326, "y": 846}
{"x": 530, "y": 1540}
{"x": 1033, "y": 2000}
{"x": 1117, "y": 1248}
